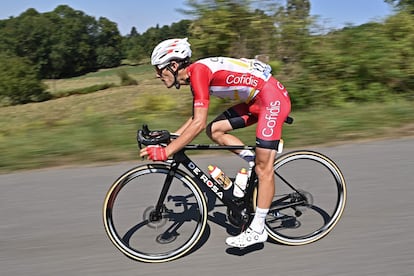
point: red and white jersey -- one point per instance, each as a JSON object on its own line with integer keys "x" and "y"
{"x": 239, "y": 79}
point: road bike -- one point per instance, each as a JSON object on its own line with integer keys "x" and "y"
{"x": 158, "y": 212}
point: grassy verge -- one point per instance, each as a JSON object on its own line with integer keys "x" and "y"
{"x": 101, "y": 126}
{"x": 90, "y": 134}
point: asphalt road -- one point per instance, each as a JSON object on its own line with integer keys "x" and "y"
{"x": 50, "y": 224}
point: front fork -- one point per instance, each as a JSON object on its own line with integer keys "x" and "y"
{"x": 157, "y": 213}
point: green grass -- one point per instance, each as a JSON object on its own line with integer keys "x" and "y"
{"x": 101, "y": 126}
{"x": 142, "y": 73}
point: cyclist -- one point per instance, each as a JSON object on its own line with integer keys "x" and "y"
{"x": 263, "y": 100}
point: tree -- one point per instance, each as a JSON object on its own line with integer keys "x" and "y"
{"x": 109, "y": 44}
{"x": 76, "y": 38}
{"x": 137, "y": 47}
{"x": 134, "y": 51}
{"x": 62, "y": 43}
{"x": 232, "y": 28}
{"x": 293, "y": 23}
{"x": 407, "y": 5}
{"x": 180, "y": 29}
{"x": 133, "y": 33}
{"x": 28, "y": 36}
{"x": 19, "y": 82}
{"x": 400, "y": 31}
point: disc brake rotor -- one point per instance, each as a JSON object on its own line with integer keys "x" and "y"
{"x": 154, "y": 221}
{"x": 309, "y": 201}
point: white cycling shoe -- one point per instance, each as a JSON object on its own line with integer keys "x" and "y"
{"x": 247, "y": 238}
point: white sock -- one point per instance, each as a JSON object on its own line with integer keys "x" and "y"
{"x": 248, "y": 156}
{"x": 258, "y": 222}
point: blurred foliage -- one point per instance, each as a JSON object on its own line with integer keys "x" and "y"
{"x": 83, "y": 90}
{"x": 126, "y": 79}
{"x": 100, "y": 127}
{"x": 62, "y": 43}
{"x": 368, "y": 63}
{"x": 407, "y": 5}
{"x": 373, "y": 62}
{"x": 19, "y": 81}
{"x": 231, "y": 28}
{"x": 352, "y": 83}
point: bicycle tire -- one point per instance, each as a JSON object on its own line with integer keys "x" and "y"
{"x": 129, "y": 203}
{"x": 307, "y": 171}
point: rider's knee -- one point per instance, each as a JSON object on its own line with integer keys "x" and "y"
{"x": 209, "y": 131}
{"x": 264, "y": 162}
{"x": 214, "y": 133}
{"x": 263, "y": 168}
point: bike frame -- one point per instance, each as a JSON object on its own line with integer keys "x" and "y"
{"x": 240, "y": 206}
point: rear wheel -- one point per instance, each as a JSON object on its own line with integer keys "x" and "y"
{"x": 310, "y": 198}
{"x": 149, "y": 234}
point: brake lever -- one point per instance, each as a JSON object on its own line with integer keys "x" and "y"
{"x": 145, "y": 130}
{"x": 139, "y": 134}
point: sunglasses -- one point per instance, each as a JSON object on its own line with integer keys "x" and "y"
{"x": 159, "y": 70}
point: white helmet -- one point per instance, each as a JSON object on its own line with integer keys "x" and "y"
{"x": 170, "y": 49}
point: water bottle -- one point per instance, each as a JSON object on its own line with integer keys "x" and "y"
{"x": 218, "y": 175}
{"x": 240, "y": 183}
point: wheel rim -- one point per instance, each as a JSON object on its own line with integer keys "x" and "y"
{"x": 152, "y": 239}
{"x": 287, "y": 227}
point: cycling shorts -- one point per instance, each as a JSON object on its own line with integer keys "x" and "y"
{"x": 269, "y": 109}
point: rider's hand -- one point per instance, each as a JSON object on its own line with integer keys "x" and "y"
{"x": 155, "y": 153}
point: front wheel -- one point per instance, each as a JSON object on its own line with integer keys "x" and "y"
{"x": 149, "y": 227}
{"x": 310, "y": 198}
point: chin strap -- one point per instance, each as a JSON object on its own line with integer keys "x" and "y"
{"x": 175, "y": 74}
{"x": 183, "y": 64}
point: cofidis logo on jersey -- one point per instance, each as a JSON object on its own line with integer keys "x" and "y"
{"x": 241, "y": 80}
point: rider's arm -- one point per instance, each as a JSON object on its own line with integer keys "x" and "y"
{"x": 184, "y": 126}
{"x": 200, "y": 77}
{"x": 195, "y": 126}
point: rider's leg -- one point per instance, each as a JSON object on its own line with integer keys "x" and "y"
{"x": 266, "y": 189}
{"x": 235, "y": 117}
{"x": 264, "y": 161}
{"x": 264, "y": 170}
{"x": 271, "y": 106}
{"x": 218, "y": 130}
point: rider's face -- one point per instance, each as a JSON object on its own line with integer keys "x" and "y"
{"x": 166, "y": 76}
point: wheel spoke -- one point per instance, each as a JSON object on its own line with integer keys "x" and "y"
{"x": 158, "y": 234}
{"x": 310, "y": 198}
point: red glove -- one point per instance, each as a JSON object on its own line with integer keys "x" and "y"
{"x": 156, "y": 153}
